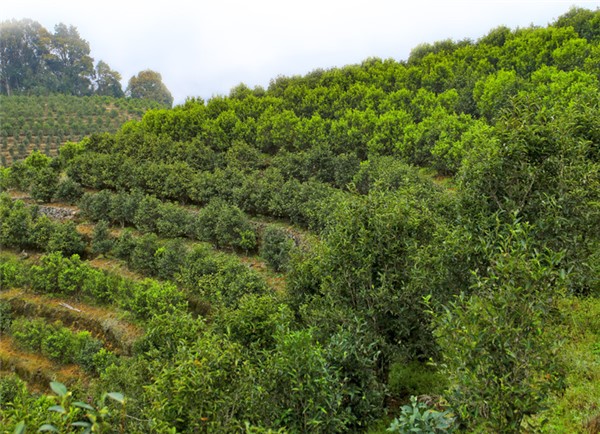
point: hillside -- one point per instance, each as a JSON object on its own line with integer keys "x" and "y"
{"x": 44, "y": 123}
{"x": 331, "y": 254}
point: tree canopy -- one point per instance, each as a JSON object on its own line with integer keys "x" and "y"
{"x": 34, "y": 61}
{"x": 148, "y": 85}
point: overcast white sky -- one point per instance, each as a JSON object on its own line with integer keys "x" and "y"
{"x": 204, "y": 48}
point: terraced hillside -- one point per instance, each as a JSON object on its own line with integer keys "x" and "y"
{"x": 310, "y": 257}
{"x": 44, "y": 123}
{"x": 67, "y": 318}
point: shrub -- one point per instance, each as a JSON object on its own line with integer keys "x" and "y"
{"x": 173, "y": 222}
{"x": 96, "y": 206}
{"x": 68, "y": 191}
{"x": 149, "y": 297}
{"x": 124, "y": 206}
{"x": 208, "y": 386}
{"x": 166, "y": 332}
{"x": 225, "y": 225}
{"x": 101, "y": 360}
{"x": 501, "y": 362}
{"x": 417, "y": 418}
{"x": 66, "y": 239}
{"x": 59, "y": 344}
{"x": 254, "y": 321}
{"x": 229, "y": 282}
{"x": 143, "y": 254}
{"x": 304, "y": 392}
{"x": 44, "y": 185}
{"x": 16, "y": 227}
{"x": 12, "y": 273}
{"x": 147, "y": 214}
{"x": 124, "y": 245}
{"x": 87, "y": 350}
{"x": 276, "y": 247}
{"x": 101, "y": 241}
{"x": 29, "y": 334}
{"x": 11, "y": 386}
{"x": 169, "y": 258}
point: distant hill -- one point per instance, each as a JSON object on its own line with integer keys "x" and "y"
{"x": 45, "y": 122}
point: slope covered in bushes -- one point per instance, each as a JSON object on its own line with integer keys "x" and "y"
{"x": 44, "y": 123}
{"x": 450, "y": 209}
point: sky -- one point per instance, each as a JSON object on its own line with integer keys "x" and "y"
{"x": 204, "y": 48}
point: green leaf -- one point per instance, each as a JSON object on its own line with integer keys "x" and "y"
{"x": 48, "y": 427}
{"x": 83, "y": 405}
{"x": 58, "y": 388}
{"x": 20, "y": 428}
{"x": 58, "y": 409}
{"x": 82, "y": 424}
{"x": 117, "y": 397}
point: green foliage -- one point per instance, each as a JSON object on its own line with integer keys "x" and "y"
{"x": 304, "y": 390}
{"x": 71, "y": 276}
{"x": 16, "y": 226}
{"x": 166, "y": 332}
{"x": 219, "y": 279}
{"x": 44, "y": 185}
{"x": 10, "y": 388}
{"x": 169, "y": 259}
{"x": 417, "y": 418}
{"x": 68, "y": 191}
{"x": 65, "y": 238}
{"x": 206, "y": 386}
{"x": 406, "y": 379}
{"x": 225, "y": 225}
{"x": 370, "y": 250}
{"x": 537, "y": 171}
{"x": 56, "y": 342}
{"x": 173, "y": 221}
{"x": 144, "y": 253}
{"x": 102, "y": 242}
{"x": 148, "y": 297}
{"x": 147, "y": 214}
{"x": 148, "y": 85}
{"x": 124, "y": 245}
{"x": 363, "y": 158}
{"x": 355, "y": 350}
{"x": 499, "y": 357}
{"x": 276, "y": 247}
{"x": 12, "y": 273}
{"x": 254, "y": 321}
{"x": 70, "y": 413}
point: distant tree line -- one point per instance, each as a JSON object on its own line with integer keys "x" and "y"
{"x": 34, "y": 61}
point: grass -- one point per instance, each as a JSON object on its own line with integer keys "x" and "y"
{"x": 576, "y": 409}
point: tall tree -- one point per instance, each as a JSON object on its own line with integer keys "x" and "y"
{"x": 148, "y": 85}
{"x": 108, "y": 82}
{"x": 70, "y": 61}
{"x": 23, "y": 47}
